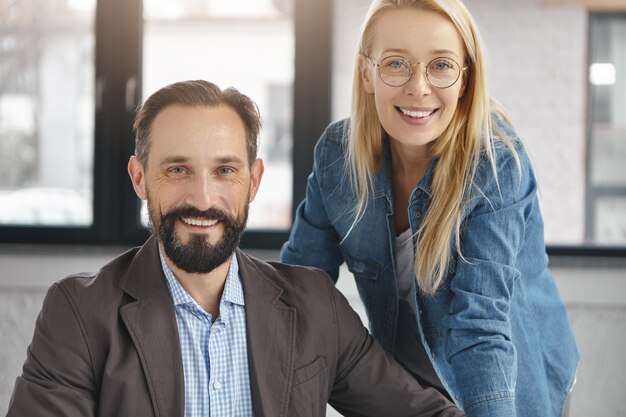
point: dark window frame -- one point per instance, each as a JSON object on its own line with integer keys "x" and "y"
{"x": 118, "y": 55}
{"x": 593, "y": 192}
{"x": 587, "y": 254}
{"x": 118, "y": 70}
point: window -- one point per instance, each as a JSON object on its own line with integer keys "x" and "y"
{"x": 46, "y": 113}
{"x": 248, "y": 44}
{"x": 540, "y": 57}
{"x": 606, "y": 131}
{"x": 71, "y": 78}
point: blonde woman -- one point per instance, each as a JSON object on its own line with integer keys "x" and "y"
{"x": 430, "y": 199}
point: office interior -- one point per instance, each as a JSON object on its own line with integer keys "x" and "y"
{"x": 73, "y": 71}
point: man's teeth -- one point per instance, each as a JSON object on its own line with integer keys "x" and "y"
{"x": 416, "y": 113}
{"x": 195, "y": 221}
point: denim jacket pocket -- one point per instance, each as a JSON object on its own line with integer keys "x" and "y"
{"x": 361, "y": 267}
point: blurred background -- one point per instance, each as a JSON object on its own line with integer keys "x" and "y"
{"x": 73, "y": 71}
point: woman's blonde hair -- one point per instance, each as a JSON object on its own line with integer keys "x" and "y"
{"x": 459, "y": 148}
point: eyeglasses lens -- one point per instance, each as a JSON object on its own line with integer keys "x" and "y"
{"x": 440, "y": 72}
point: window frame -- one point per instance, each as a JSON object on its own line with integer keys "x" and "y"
{"x": 592, "y": 192}
{"x": 118, "y": 68}
{"x": 118, "y": 91}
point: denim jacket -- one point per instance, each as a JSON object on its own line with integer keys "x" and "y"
{"x": 496, "y": 331}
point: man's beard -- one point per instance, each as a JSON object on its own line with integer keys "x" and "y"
{"x": 198, "y": 255}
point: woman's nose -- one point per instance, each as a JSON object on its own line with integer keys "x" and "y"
{"x": 418, "y": 83}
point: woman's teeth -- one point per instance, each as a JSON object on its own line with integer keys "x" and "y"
{"x": 418, "y": 114}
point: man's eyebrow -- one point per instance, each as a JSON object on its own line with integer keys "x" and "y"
{"x": 228, "y": 159}
{"x": 174, "y": 159}
{"x": 225, "y": 159}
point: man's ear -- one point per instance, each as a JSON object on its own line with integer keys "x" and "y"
{"x": 256, "y": 173}
{"x": 365, "y": 68}
{"x": 137, "y": 177}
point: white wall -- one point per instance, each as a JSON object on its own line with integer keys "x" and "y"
{"x": 594, "y": 296}
{"x": 537, "y": 70}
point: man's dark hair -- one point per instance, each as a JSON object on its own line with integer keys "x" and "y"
{"x": 195, "y": 93}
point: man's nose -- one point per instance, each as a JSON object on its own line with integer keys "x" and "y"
{"x": 201, "y": 192}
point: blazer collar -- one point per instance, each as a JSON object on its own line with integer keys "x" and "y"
{"x": 144, "y": 275}
{"x": 270, "y": 325}
{"x": 271, "y": 328}
{"x": 151, "y": 322}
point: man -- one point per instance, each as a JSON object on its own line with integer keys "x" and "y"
{"x": 190, "y": 325}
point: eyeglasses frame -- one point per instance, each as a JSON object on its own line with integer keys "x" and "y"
{"x": 411, "y": 66}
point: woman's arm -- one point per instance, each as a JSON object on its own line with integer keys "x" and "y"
{"x": 480, "y": 347}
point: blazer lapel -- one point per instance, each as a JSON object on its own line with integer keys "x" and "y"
{"x": 271, "y": 329}
{"x": 151, "y": 323}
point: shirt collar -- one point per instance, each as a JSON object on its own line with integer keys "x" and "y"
{"x": 233, "y": 289}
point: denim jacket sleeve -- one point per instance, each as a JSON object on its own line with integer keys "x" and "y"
{"x": 479, "y": 347}
{"x": 313, "y": 241}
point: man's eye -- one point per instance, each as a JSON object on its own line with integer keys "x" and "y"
{"x": 176, "y": 170}
{"x": 226, "y": 170}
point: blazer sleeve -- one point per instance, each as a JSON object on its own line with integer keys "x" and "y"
{"x": 369, "y": 382}
{"x": 57, "y": 376}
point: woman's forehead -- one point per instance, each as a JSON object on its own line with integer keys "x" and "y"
{"x": 415, "y": 32}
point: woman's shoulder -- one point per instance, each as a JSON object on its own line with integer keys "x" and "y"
{"x": 507, "y": 163}
{"x": 336, "y": 133}
{"x": 332, "y": 144}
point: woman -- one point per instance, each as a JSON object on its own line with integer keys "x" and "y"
{"x": 430, "y": 198}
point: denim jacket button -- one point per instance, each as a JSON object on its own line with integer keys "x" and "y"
{"x": 418, "y": 214}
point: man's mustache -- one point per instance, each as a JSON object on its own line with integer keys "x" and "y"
{"x": 212, "y": 213}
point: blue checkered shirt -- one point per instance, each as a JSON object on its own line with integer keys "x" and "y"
{"x": 215, "y": 355}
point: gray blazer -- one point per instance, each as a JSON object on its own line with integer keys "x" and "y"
{"x": 106, "y": 344}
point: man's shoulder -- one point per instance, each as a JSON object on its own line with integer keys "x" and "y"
{"x": 295, "y": 282}
{"x": 101, "y": 283}
{"x": 287, "y": 273}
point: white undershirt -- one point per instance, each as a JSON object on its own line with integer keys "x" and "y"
{"x": 409, "y": 349}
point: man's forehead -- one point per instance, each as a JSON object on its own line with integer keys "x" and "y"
{"x": 215, "y": 126}
{"x": 215, "y": 157}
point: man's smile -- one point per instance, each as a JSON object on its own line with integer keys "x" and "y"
{"x": 199, "y": 221}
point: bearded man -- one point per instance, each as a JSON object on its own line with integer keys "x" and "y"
{"x": 189, "y": 324}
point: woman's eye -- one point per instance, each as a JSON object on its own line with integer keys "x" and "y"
{"x": 442, "y": 65}
{"x": 396, "y": 65}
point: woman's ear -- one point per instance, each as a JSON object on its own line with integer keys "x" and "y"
{"x": 365, "y": 68}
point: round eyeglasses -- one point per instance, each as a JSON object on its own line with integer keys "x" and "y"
{"x": 396, "y": 71}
